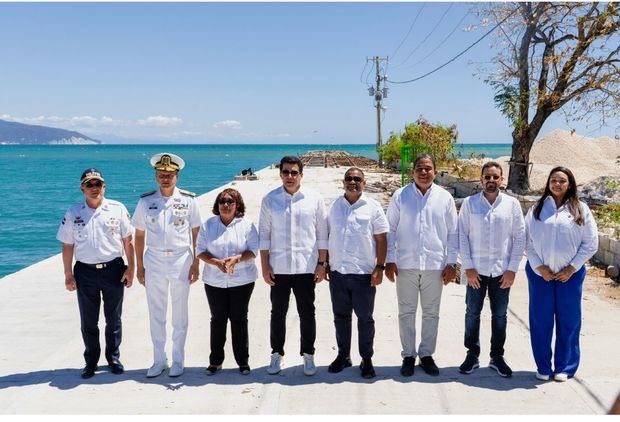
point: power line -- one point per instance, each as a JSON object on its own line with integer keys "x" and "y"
{"x": 443, "y": 41}
{"x": 457, "y": 56}
{"x": 427, "y": 36}
{"x": 362, "y": 74}
{"x": 408, "y": 32}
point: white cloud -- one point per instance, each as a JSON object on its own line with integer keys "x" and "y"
{"x": 229, "y": 124}
{"x": 265, "y": 135}
{"x": 160, "y": 121}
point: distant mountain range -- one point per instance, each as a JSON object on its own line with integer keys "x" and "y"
{"x": 12, "y": 133}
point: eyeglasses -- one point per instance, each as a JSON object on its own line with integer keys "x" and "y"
{"x": 293, "y": 173}
{"x": 355, "y": 179}
{"x": 494, "y": 177}
{"x": 90, "y": 185}
{"x": 224, "y": 201}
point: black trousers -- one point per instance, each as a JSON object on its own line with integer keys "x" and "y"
{"x": 302, "y": 286}
{"x": 353, "y": 292}
{"x": 229, "y": 304}
{"x": 92, "y": 285}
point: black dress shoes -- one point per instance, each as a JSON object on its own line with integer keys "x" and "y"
{"x": 116, "y": 367}
{"x": 339, "y": 364}
{"x": 408, "y": 367}
{"x": 428, "y": 364}
{"x": 368, "y": 370}
{"x": 88, "y": 371}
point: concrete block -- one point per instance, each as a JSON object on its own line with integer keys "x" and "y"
{"x": 603, "y": 242}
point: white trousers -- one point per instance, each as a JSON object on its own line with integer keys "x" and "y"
{"x": 163, "y": 273}
{"x": 427, "y": 285}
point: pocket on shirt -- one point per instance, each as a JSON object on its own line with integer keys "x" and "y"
{"x": 361, "y": 224}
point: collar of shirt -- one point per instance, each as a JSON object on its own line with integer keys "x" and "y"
{"x": 419, "y": 192}
{"x": 105, "y": 206}
{"x": 550, "y": 203}
{"x": 360, "y": 201}
{"x": 300, "y": 193}
{"x": 234, "y": 221}
{"x": 495, "y": 203}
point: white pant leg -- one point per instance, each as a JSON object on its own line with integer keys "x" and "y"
{"x": 157, "y": 299}
{"x": 431, "y": 287}
{"x": 179, "y": 295}
{"x": 407, "y": 288}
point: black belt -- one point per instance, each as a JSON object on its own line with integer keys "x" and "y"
{"x": 101, "y": 265}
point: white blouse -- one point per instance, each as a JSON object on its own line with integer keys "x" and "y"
{"x": 224, "y": 241}
{"x": 556, "y": 240}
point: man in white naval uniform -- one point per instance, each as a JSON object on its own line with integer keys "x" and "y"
{"x": 170, "y": 219}
{"x": 96, "y": 232}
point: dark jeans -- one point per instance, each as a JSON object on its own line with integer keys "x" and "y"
{"x": 92, "y": 284}
{"x": 499, "y": 306}
{"x": 229, "y": 304}
{"x": 302, "y": 286}
{"x": 353, "y": 292}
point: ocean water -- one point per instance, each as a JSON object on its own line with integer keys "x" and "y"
{"x": 39, "y": 183}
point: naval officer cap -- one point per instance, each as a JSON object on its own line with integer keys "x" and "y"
{"x": 90, "y": 174}
{"x": 165, "y": 161}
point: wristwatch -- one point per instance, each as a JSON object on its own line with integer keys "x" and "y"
{"x": 324, "y": 264}
{"x": 380, "y": 266}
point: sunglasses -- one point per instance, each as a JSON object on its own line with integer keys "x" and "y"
{"x": 293, "y": 173}
{"x": 224, "y": 201}
{"x": 355, "y": 179}
{"x": 495, "y": 177}
{"x": 93, "y": 185}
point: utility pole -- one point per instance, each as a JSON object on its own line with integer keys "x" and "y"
{"x": 379, "y": 93}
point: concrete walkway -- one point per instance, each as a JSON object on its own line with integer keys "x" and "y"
{"x": 42, "y": 349}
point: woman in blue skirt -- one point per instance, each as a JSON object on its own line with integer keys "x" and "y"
{"x": 561, "y": 236}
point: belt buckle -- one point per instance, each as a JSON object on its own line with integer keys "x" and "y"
{"x": 168, "y": 253}
{"x": 99, "y": 266}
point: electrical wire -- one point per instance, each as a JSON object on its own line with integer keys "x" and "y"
{"x": 363, "y": 70}
{"x": 409, "y": 32}
{"x": 443, "y": 41}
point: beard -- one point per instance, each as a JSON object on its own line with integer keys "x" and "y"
{"x": 491, "y": 188}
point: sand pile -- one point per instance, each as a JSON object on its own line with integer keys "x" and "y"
{"x": 588, "y": 158}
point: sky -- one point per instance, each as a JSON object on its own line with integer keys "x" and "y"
{"x": 245, "y": 72}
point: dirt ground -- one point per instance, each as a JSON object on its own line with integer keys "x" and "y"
{"x": 598, "y": 283}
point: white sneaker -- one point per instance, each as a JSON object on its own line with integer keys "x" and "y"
{"x": 542, "y": 377}
{"x": 561, "y": 377}
{"x": 275, "y": 365}
{"x": 157, "y": 369}
{"x": 309, "y": 368}
{"x": 176, "y": 370}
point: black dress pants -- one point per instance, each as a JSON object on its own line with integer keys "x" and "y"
{"x": 229, "y": 303}
{"x": 92, "y": 285}
{"x": 302, "y": 286}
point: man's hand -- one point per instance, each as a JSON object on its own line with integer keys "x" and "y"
{"x": 70, "y": 283}
{"x": 230, "y": 263}
{"x": 376, "y": 277}
{"x": 391, "y": 271}
{"x": 128, "y": 277}
{"x": 473, "y": 278}
{"x": 546, "y": 272}
{"x": 507, "y": 280}
{"x": 448, "y": 274}
{"x": 220, "y": 264}
{"x": 268, "y": 275}
{"x": 194, "y": 272}
{"x": 319, "y": 273}
{"x": 565, "y": 273}
{"x": 140, "y": 274}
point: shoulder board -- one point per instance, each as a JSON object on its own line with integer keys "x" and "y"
{"x": 148, "y": 193}
{"x": 188, "y": 193}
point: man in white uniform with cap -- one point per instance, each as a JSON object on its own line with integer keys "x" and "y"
{"x": 96, "y": 232}
{"x": 167, "y": 221}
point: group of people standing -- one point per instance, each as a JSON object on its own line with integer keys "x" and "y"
{"x": 352, "y": 244}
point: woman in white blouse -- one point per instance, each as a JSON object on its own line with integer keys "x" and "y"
{"x": 561, "y": 236}
{"x": 228, "y": 243}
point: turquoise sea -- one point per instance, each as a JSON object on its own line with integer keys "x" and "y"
{"x": 40, "y": 182}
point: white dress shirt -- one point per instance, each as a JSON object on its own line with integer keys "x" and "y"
{"x": 167, "y": 221}
{"x": 97, "y": 234}
{"x": 293, "y": 228}
{"x": 222, "y": 241}
{"x": 423, "y": 228}
{"x": 352, "y": 246}
{"x": 491, "y": 236}
{"x": 556, "y": 240}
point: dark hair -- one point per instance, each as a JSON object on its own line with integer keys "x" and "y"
{"x": 492, "y": 164}
{"x": 291, "y": 159}
{"x": 570, "y": 196}
{"x": 234, "y": 194}
{"x": 354, "y": 169}
{"x": 422, "y": 156}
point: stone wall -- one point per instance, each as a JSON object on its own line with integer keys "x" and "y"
{"x": 608, "y": 250}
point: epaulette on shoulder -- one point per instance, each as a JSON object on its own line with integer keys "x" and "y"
{"x": 148, "y": 193}
{"x": 188, "y": 193}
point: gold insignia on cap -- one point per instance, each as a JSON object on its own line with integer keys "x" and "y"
{"x": 165, "y": 163}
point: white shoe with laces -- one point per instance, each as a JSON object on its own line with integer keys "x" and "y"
{"x": 275, "y": 365}
{"x": 542, "y": 377}
{"x": 309, "y": 367}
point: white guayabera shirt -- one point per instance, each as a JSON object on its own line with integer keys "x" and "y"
{"x": 293, "y": 228}
{"x": 423, "y": 228}
{"x": 491, "y": 236}
{"x": 352, "y": 246}
{"x": 556, "y": 240}
{"x": 224, "y": 241}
